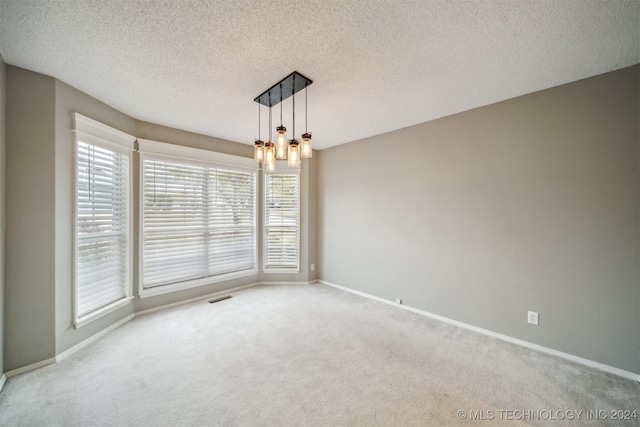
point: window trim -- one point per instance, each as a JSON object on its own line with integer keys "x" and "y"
{"x": 161, "y": 150}
{"x": 98, "y": 134}
{"x": 172, "y": 151}
{"x": 282, "y": 167}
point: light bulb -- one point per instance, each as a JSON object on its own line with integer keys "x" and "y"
{"x": 258, "y": 151}
{"x": 268, "y": 153}
{"x": 306, "y": 151}
{"x": 281, "y": 150}
{"x": 282, "y": 133}
{"x": 294, "y": 153}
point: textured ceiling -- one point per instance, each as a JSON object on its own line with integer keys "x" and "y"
{"x": 377, "y": 65}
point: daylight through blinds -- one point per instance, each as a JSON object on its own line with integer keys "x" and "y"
{"x": 198, "y": 220}
{"x": 281, "y": 221}
{"x": 102, "y": 227}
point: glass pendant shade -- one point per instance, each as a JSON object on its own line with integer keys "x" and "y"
{"x": 294, "y": 153}
{"x": 270, "y": 167}
{"x": 258, "y": 151}
{"x": 281, "y": 150}
{"x": 269, "y": 155}
{"x": 306, "y": 151}
{"x": 281, "y": 142}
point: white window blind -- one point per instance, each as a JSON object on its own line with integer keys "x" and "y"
{"x": 198, "y": 220}
{"x": 282, "y": 221}
{"x": 102, "y": 227}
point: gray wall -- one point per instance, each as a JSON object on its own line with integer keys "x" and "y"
{"x": 39, "y": 215}
{"x": 29, "y": 334}
{"x": 528, "y": 204}
{"x": 312, "y": 210}
{"x": 67, "y": 101}
{"x": 2, "y": 204}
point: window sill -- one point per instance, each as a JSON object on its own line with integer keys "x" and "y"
{"x": 175, "y": 287}
{"x": 281, "y": 270}
{"x": 96, "y": 314}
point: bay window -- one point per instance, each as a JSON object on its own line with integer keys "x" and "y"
{"x": 198, "y": 217}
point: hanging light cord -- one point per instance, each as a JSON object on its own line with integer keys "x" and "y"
{"x": 294, "y": 107}
{"x": 305, "y": 109}
{"x": 281, "y": 104}
{"x": 259, "y": 121}
{"x": 270, "y": 116}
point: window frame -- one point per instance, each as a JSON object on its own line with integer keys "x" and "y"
{"x": 282, "y": 168}
{"x": 149, "y": 149}
{"x": 94, "y": 133}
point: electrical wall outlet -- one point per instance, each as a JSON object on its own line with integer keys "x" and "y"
{"x": 313, "y": 267}
{"x": 532, "y": 317}
{"x": 399, "y": 300}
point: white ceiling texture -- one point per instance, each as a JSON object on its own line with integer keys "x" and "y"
{"x": 377, "y": 65}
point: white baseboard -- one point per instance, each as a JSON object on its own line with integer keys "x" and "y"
{"x": 92, "y": 338}
{"x": 191, "y": 284}
{"x": 593, "y": 364}
{"x": 3, "y": 379}
{"x": 283, "y": 283}
{"x": 187, "y": 301}
{"x": 217, "y": 294}
{"x": 23, "y": 369}
{"x": 67, "y": 353}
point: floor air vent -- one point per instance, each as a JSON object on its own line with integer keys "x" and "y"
{"x": 219, "y": 299}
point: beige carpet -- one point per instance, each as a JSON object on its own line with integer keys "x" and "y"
{"x": 309, "y": 356}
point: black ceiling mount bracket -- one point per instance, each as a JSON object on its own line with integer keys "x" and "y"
{"x": 285, "y": 88}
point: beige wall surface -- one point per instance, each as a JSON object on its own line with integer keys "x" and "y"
{"x": 528, "y": 204}
{"x": 30, "y": 215}
{"x": 3, "y": 92}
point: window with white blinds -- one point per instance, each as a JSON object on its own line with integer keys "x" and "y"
{"x": 102, "y": 227}
{"x": 198, "y": 220}
{"x": 282, "y": 221}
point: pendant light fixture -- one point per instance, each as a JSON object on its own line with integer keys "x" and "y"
{"x": 294, "y": 151}
{"x": 306, "y": 151}
{"x": 258, "y": 151}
